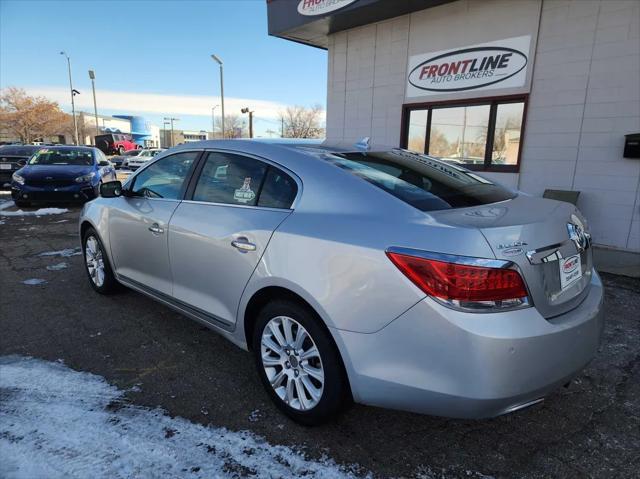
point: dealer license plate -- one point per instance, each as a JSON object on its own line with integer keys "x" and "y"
{"x": 570, "y": 270}
{"x": 5, "y": 166}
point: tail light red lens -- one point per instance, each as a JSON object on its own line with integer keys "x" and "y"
{"x": 461, "y": 282}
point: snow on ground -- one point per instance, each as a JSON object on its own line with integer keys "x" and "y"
{"x": 57, "y": 267}
{"x": 39, "y": 212}
{"x": 59, "y": 423}
{"x": 34, "y": 281}
{"x": 65, "y": 253}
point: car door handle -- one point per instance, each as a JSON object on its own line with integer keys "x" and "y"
{"x": 155, "y": 229}
{"x": 243, "y": 245}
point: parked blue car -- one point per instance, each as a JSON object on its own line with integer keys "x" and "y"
{"x": 61, "y": 174}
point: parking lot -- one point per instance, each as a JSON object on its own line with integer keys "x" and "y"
{"x": 590, "y": 429}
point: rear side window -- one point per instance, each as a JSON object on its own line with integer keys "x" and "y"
{"x": 421, "y": 181}
{"x": 231, "y": 179}
{"x": 279, "y": 190}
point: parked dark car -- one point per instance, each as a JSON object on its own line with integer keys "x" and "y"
{"x": 12, "y": 158}
{"x": 61, "y": 174}
{"x": 115, "y": 143}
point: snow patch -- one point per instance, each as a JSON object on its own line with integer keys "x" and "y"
{"x": 57, "y": 267}
{"x": 34, "y": 281}
{"x": 38, "y": 212}
{"x": 56, "y": 423}
{"x": 65, "y": 253}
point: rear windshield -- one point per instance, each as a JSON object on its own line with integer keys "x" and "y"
{"x": 421, "y": 181}
{"x": 68, "y": 156}
{"x": 18, "y": 150}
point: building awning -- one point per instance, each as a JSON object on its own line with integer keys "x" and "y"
{"x": 311, "y": 21}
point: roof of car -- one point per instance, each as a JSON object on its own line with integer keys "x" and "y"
{"x": 297, "y": 144}
{"x": 66, "y": 147}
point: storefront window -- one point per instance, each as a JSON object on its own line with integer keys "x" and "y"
{"x": 506, "y": 136}
{"x": 417, "y": 130}
{"x": 459, "y": 133}
{"x": 482, "y": 136}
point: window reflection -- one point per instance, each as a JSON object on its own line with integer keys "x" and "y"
{"x": 459, "y": 133}
{"x": 417, "y": 130}
{"x": 506, "y": 137}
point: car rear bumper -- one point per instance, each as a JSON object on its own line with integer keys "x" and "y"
{"x": 434, "y": 360}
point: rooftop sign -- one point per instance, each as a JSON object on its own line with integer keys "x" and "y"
{"x": 321, "y": 7}
{"x": 500, "y": 64}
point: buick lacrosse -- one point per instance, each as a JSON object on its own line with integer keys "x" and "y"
{"x": 355, "y": 273}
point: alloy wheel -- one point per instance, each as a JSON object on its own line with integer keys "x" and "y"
{"x": 292, "y": 363}
{"x": 94, "y": 260}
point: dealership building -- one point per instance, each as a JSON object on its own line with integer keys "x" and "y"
{"x": 539, "y": 95}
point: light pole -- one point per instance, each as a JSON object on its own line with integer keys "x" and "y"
{"x": 92, "y": 75}
{"x": 165, "y": 127}
{"x": 219, "y": 62}
{"x": 246, "y": 110}
{"x": 73, "y": 104}
{"x": 172, "y": 120}
{"x": 213, "y": 121}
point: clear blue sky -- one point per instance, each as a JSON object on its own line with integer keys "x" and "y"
{"x": 158, "y": 47}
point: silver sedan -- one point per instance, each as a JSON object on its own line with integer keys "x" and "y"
{"x": 351, "y": 273}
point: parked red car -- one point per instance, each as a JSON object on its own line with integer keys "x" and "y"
{"x": 115, "y": 143}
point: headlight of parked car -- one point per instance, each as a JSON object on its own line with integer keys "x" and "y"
{"x": 17, "y": 178}
{"x": 85, "y": 178}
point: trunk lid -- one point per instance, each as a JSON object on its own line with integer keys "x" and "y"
{"x": 546, "y": 239}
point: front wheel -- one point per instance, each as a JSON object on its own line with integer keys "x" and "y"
{"x": 97, "y": 264}
{"x": 121, "y": 150}
{"x": 299, "y": 363}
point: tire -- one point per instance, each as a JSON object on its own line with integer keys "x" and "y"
{"x": 22, "y": 204}
{"x": 332, "y": 393}
{"x": 121, "y": 150}
{"x": 106, "y": 282}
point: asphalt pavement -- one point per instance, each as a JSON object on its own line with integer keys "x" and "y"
{"x": 591, "y": 429}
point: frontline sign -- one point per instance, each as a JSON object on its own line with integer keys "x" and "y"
{"x": 501, "y": 64}
{"x": 320, "y": 7}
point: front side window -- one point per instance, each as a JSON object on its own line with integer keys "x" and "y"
{"x": 424, "y": 183}
{"x": 62, "y": 157}
{"x": 166, "y": 177}
{"x": 481, "y": 136}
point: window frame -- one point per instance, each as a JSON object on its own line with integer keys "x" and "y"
{"x": 197, "y": 171}
{"x": 493, "y": 102}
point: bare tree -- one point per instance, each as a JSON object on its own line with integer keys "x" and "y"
{"x": 301, "y": 122}
{"x": 30, "y": 117}
{"x": 234, "y": 126}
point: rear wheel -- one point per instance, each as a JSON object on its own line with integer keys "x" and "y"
{"x": 97, "y": 264}
{"x": 299, "y": 364}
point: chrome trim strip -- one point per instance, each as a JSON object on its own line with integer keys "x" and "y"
{"x": 250, "y": 207}
{"x": 450, "y": 258}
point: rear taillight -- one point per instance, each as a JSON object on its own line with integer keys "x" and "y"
{"x": 462, "y": 285}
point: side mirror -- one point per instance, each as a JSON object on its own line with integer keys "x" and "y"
{"x": 111, "y": 189}
{"x": 21, "y": 163}
{"x": 104, "y": 163}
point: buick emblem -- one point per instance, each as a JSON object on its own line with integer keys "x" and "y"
{"x": 577, "y": 234}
